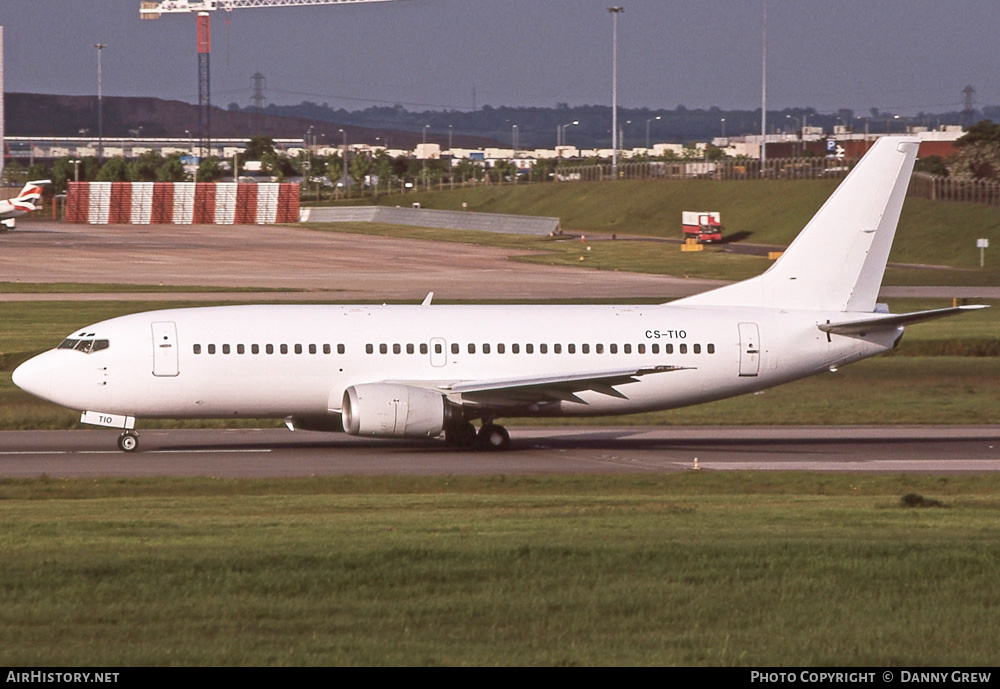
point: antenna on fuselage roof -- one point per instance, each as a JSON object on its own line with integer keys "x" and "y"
{"x": 427, "y": 299}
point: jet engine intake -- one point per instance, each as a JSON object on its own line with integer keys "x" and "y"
{"x": 389, "y": 410}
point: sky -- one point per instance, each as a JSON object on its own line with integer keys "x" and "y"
{"x": 903, "y": 56}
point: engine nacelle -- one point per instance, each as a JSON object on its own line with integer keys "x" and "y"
{"x": 390, "y": 410}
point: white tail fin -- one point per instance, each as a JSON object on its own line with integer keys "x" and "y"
{"x": 838, "y": 260}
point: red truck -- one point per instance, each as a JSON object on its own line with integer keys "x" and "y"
{"x": 705, "y": 226}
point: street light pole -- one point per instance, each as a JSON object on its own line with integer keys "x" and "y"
{"x": 647, "y": 129}
{"x": 423, "y": 156}
{"x": 100, "y": 104}
{"x": 344, "y": 156}
{"x": 615, "y": 11}
{"x": 561, "y": 132}
{"x": 763, "y": 96}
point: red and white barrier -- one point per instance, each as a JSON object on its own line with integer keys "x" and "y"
{"x": 181, "y": 203}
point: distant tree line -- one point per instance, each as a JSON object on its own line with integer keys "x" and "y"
{"x": 537, "y": 127}
{"x": 977, "y": 157}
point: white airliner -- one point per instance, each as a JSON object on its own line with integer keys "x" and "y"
{"x": 25, "y": 202}
{"x": 420, "y": 371}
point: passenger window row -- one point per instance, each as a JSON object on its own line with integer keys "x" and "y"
{"x": 501, "y": 348}
{"x": 269, "y": 349}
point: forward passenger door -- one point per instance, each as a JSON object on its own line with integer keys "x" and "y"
{"x": 165, "y": 349}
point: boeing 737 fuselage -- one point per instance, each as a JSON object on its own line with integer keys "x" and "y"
{"x": 420, "y": 371}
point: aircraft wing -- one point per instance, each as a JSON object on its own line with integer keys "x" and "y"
{"x": 863, "y": 326}
{"x": 540, "y": 389}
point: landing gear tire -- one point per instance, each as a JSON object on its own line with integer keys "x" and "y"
{"x": 461, "y": 435}
{"x": 128, "y": 441}
{"x": 493, "y": 437}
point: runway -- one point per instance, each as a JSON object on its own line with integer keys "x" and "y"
{"x": 535, "y": 450}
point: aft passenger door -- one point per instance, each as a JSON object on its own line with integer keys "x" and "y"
{"x": 165, "y": 349}
{"x": 749, "y": 350}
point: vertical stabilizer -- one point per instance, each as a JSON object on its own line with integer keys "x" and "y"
{"x": 837, "y": 261}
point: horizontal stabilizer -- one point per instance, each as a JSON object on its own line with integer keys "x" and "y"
{"x": 862, "y": 327}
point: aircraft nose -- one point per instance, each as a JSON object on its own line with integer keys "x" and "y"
{"x": 34, "y": 376}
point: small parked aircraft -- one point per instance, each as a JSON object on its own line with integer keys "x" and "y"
{"x": 25, "y": 202}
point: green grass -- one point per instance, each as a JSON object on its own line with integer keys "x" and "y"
{"x": 761, "y": 212}
{"x": 686, "y": 569}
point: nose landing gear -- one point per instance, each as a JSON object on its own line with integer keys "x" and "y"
{"x": 128, "y": 441}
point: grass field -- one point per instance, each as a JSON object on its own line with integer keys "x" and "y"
{"x": 762, "y": 212}
{"x": 747, "y": 569}
{"x": 662, "y": 258}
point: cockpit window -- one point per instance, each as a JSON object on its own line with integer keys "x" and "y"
{"x": 85, "y": 346}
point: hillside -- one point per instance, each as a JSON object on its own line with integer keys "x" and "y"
{"x": 32, "y": 114}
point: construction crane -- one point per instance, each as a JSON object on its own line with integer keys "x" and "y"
{"x": 150, "y": 9}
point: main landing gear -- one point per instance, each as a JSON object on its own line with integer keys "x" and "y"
{"x": 491, "y": 436}
{"x": 128, "y": 441}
